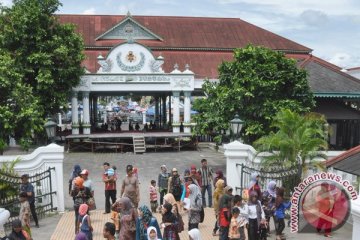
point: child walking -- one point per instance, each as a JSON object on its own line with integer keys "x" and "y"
{"x": 153, "y": 196}
{"x": 243, "y": 216}
{"x": 24, "y": 213}
{"x": 234, "y": 228}
{"x": 280, "y": 213}
{"x": 84, "y": 220}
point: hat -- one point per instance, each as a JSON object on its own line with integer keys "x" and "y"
{"x": 228, "y": 188}
{"x": 110, "y": 172}
{"x": 174, "y": 170}
{"x": 84, "y": 172}
{"x": 193, "y": 167}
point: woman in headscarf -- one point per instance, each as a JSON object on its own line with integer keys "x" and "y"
{"x": 194, "y": 234}
{"x": 219, "y": 175}
{"x": 84, "y": 222}
{"x": 254, "y": 185}
{"x": 127, "y": 215}
{"x": 80, "y": 195}
{"x": 218, "y": 192}
{"x": 144, "y": 221}
{"x": 152, "y": 234}
{"x": 169, "y": 223}
{"x": 169, "y": 198}
{"x": 256, "y": 216}
{"x": 195, "y": 206}
{"x": 268, "y": 202}
{"x": 75, "y": 173}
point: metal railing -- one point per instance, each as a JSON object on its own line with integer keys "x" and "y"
{"x": 44, "y": 194}
{"x": 286, "y": 177}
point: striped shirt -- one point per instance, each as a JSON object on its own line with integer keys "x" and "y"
{"x": 206, "y": 176}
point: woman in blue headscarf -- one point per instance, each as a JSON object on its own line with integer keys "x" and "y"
{"x": 144, "y": 221}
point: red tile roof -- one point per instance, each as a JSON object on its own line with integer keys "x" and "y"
{"x": 353, "y": 69}
{"x": 185, "y": 32}
{"x": 203, "y": 43}
{"x": 347, "y": 161}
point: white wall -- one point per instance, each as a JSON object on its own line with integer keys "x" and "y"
{"x": 40, "y": 160}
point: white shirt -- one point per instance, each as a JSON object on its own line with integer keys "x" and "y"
{"x": 252, "y": 211}
{"x": 244, "y": 213}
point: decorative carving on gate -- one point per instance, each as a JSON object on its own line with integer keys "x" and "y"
{"x": 128, "y": 68}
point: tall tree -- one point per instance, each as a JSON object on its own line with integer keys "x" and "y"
{"x": 49, "y": 54}
{"x": 297, "y": 140}
{"x": 19, "y": 108}
{"x": 257, "y": 84}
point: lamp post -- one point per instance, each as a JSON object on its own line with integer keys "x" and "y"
{"x": 50, "y": 128}
{"x": 236, "y": 126}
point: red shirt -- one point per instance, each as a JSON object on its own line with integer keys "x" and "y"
{"x": 109, "y": 185}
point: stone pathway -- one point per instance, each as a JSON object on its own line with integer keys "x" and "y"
{"x": 61, "y": 227}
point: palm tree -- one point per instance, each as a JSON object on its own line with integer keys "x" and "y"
{"x": 297, "y": 141}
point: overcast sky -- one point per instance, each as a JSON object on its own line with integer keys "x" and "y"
{"x": 330, "y": 27}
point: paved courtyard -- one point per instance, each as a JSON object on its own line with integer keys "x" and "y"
{"x": 61, "y": 227}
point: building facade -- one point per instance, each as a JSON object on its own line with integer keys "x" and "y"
{"x": 169, "y": 57}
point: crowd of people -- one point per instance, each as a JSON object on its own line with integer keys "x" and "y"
{"x": 172, "y": 195}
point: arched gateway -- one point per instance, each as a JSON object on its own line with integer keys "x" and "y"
{"x": 132, "y": 68}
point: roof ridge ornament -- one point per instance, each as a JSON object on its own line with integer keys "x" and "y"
{"x": 128, "y": 14}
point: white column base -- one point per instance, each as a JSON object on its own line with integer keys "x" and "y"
{"x": 75, "y": 131}
{"x": 187, "y": 129}
{"x": 86, "y": 130}
{"x": 176, "y": 129}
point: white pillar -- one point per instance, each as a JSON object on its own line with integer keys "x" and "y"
{"x": 95, "y": 110}
{"x": 60, "y": 119}
{"x": 144, "y": 117}
{"x": 74, "y": 114}
{"x": 176, "y": 112}
{"x": 86, "y": 111}
{"x": 187, "y": 112}
{"x": 236, "y": 154}
{"x": 55, "y": 159}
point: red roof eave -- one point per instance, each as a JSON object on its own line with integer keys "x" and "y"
{"x": 349, "y": 153}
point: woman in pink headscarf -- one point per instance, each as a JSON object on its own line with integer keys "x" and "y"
{"x": 84, "y": 221}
